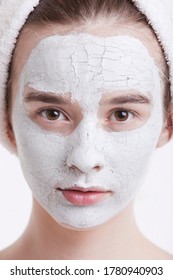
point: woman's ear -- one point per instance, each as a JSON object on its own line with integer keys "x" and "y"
{"x": 164, "y": 137}
{"x": 167, "y": 131}
{"x": 11, "y": 135}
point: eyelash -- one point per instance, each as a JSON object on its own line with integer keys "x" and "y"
{"x": 66, "y": 117}
{"x": 41, "y": 111}
{"x": 129, "y": 111}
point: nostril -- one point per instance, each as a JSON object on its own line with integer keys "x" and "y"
{"x": 73, "y": 167}
{"x": 97, "y": 167}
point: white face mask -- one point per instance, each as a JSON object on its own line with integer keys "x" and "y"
{"x": 88, "y": 68}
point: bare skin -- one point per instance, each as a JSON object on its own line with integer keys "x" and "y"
{"x": 44, "y": 238}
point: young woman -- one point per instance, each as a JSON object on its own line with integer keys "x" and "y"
{"x": 87, "y": 102}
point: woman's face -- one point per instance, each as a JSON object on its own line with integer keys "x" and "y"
{"x": 87, "y": 114}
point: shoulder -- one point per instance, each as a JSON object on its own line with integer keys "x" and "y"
{"x": 12, "y": 252}
{"x": 144, "y": 249}
{"x": 6, "y": 254}
{"x": 20, "y": 250}
{"x": 2, "y": 255}
{"x": 160, "y": 254}
{"x": 153, "y": 252}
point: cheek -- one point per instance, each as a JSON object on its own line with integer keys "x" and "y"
{"x": 127, "y": 157}
{"x": 128, "y": 153}
{"x": 41, "y": 154}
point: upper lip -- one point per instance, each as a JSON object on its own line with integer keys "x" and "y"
{"x": 83, "y": 189}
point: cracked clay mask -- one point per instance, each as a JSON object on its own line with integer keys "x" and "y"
{"x": 96, "y": 152}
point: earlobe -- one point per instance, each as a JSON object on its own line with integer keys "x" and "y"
{"x": 164, "y": 137}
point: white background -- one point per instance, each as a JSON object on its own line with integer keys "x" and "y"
{"x": 153, "y": 207}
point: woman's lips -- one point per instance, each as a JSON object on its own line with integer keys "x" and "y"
{"x": 84, "y": 197}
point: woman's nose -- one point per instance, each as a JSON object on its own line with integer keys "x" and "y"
{"x": 85, "y": 161}
{"x": 86, "y": 153}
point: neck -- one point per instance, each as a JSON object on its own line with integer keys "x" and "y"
{"x": 115, "y": 239}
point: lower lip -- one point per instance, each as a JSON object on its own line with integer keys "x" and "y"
{"x": 80, "y": 198}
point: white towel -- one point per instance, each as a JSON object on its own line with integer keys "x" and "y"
{"x": 13, "y": 14}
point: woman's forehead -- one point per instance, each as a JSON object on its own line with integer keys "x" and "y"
{"x": 31, "y": 35}
{"x": 30, "y": 38}
{"x": 69, "y": 63}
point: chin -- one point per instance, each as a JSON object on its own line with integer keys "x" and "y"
{"x": 89, "y": 225}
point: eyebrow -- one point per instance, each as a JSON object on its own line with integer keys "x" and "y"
{"x": 59, "y": 99}
{"x": 46, "y": 98}
{"x": 130, "y": 98}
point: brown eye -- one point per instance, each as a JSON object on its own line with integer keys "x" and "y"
{"x": 121, "y": 116}
{"x": 52, "y": 115}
